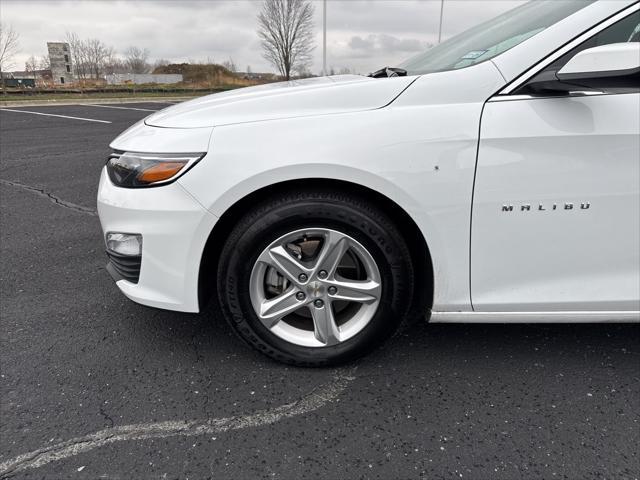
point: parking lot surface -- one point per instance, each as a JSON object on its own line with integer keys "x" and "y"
{"x": 95, "y": 386}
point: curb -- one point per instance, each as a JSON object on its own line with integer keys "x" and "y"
{"x": 97, "y": 101}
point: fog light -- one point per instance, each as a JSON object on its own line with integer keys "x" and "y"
{"x": 124, "y": 243}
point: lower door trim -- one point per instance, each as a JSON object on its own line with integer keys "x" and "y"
{"x": 535, "y": 317}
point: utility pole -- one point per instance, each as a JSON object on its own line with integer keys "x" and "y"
{"x": 441, "y": 15}
{"x": 324, "y": 38}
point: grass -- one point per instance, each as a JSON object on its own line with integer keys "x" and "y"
{"x": 104, "y": 93}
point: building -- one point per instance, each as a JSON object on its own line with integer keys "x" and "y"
{"x": 32, "y": 78}
{"x": 13, "y": 82}
{"x": 60, "y": 59}
{"x": 142, "y": 78}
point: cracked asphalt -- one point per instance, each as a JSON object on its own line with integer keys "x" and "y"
{"x": 438, "y": 401}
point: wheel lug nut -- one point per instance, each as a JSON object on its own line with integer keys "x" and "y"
{"x": 302, "y": 277}
{"x": 332, "y": 290}
{"x": 322, "y": 274}
{"x": 300, "y": 295}
{"x": 318, "y": 303}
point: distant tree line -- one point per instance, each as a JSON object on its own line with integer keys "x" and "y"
{"x": 92, "y": 58}
{"x": 285, "y": 29}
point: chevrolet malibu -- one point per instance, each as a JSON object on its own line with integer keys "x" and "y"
{"x": 493, "y": 178}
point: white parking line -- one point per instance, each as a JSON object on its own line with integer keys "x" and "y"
{"x": 54, "y": 115}
{"x": 314, "y": 400}
{"x": 120, "y": 108}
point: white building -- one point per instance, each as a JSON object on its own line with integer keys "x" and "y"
{"x": 140, "y": 78}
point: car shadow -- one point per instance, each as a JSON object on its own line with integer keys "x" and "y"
{"x": 210, "y": 334}
{"x": 506, "y": 342}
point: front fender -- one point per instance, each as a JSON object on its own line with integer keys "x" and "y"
{"x": 421, "y": 158}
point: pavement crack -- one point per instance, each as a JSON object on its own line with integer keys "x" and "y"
{"x": 208, "y": 380}
{"x": 51, "y": 197}
{"x": 106, "y": 416}
{"x": 312, "y": 401}
{"x": 196, "y": 349}
{"x": 49, "y": 155}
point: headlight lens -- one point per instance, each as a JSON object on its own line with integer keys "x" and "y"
{"x": 134, "y": 170}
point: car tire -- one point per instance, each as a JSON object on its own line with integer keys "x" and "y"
{"x": 314, "y": 228}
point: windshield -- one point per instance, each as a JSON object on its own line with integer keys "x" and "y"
{"x": 494, "y": 37}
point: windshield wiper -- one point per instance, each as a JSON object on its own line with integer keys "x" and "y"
{"x": 388, "y": 72}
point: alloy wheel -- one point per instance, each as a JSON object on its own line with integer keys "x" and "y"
{"x": 315, "y": 287}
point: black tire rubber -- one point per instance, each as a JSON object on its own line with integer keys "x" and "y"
{"x": 292, "y": 211}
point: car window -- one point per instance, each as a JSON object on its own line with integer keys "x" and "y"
{"x": 635, "y": 36}
{"x": 625, "y": 30}
{"x": 494, "y": 37}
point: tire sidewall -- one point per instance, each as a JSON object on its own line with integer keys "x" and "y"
{"x": 257, "y": 231}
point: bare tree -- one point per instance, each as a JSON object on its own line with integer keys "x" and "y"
{"x": 44, "y": 63}
{"x": 136, "y": 60}
{"x": 115, "y": 65}
{"x": 161, "y": 62}
{"x": 111, "y": 64}
{"x": 97, "y": 54}
{"x": 9, "y": 47}
{"x": 230, "y": 65}
{"x": 285, "y": 28}
{"x": 32, "y": 65}
{"x": 78, "y": 55}
{"x": 89, "y": 56}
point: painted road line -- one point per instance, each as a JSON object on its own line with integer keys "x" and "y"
{"x": 314, "y": 400}
{"x": 121, "y": 108}
{"x": 54, "y": 115}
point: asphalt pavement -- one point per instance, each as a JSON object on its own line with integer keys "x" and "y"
{"x": 95, "y": 386}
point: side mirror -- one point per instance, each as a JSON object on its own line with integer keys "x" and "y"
{"x": 616, "y": 65}
{"x": 613, "y": 67}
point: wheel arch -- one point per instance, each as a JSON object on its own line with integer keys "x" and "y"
{"x": 420, "y": 253}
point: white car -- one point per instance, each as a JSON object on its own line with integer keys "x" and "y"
{"x": 493, "y": 178}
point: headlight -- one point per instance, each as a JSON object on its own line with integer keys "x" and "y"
{"x": 134, "y": 170}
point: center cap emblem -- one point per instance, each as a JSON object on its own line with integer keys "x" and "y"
{"x": 315, "y": 289}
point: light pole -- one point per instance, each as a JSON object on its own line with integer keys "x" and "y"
{"x": 324, "y": 38}
{"x": 441, "y": 14}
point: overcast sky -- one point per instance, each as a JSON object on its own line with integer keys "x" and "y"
{"x": 362, "y": 35}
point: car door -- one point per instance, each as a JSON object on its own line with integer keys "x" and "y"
{"x": 556, "y": 206}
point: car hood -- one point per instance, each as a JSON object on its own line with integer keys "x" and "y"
{"x": 312, "y": 96}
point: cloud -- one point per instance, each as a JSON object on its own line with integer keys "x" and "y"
{"x": 358, "y": 43}
{"x": 361, "y": 34}
{"x": 383, "y": 42}
{"x": 367, "y": 53}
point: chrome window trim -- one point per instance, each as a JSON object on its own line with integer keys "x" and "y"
{"x": 514, "y": 98}
{"x": 536, "y": 317}
{"x": 542, "y": 64}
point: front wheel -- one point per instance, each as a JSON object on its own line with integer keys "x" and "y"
{"x": 315, "y": 279}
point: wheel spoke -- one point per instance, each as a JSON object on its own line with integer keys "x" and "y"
{"x": 367, "y": 291}
{"x": 334, "y": 247}
{"x": 303, "y": 273}
{"x": 325, "y": 328}
{"x": 283, "y": 262}
{"x": 273, "y": 309}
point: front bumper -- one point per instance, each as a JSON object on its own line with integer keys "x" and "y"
{"x": 124, "y": 267}
{"x": 174, "y": 228}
